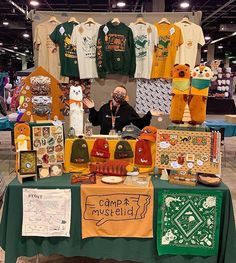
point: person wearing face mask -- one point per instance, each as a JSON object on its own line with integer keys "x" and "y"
{"x": 117, "y": 113}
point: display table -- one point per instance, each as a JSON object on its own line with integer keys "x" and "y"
{"x": 136, "y": 249}
{"x": 220, "y": 106}
{"x": 230, "y": 128}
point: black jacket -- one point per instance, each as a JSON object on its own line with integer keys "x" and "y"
{"x": 125, "y": 116}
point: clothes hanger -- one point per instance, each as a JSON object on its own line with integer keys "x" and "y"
{"x": 164, "y": 20}
{"x": 72, "y": 19}
{"x": 186, "y": 20}
{"x": 90, "y": 21}
{"x": 53, "y": 19}
{"x": 140, "y": 20}
{"x": 115, "y": 20}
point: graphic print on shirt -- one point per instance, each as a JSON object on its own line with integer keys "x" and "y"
{"x": 99, "y": 53}
{"x": 70, "y": 50}
{"x": 164, "y": 43}
{"x": 141, "y": 44}
{"x": 189, "y": 43}
{"x": 115, "y": 42}
{"x": 89, "y": 46}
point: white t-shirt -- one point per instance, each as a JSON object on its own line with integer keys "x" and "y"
{"x": 192, "y": 36}
{"x": 84, "y": 37}
{"x": 145, "y": 38}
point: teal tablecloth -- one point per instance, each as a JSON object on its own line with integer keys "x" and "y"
{"x": 230, "y": 128}
{"x": 5, "y": 124}
{"x": 140, "y": 250}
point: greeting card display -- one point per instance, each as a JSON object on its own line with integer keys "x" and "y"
{"x": 188, "y": 151}
{"x": 48, "y": 141}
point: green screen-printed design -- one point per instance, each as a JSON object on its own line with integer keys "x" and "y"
{"x": 188, "y": 223}
{"x": 141, "y": 44}
{"x": 164, "y": 42}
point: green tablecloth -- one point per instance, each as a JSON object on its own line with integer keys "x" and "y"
{"x": 6, "y": 125}
{"x": 140, "y": 250}
{"x": 230, "y": 128}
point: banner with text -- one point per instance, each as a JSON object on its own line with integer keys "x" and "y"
{"x": 117, "y": 211}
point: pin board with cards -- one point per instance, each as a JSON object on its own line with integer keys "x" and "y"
{"x": 40, "y": 97}
{"x": 48, "y": 141}
{"x": 186, "y": 150}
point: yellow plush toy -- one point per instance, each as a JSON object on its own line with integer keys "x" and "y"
{"x": 201, "y": 76}
{"x": 180, "y": 91}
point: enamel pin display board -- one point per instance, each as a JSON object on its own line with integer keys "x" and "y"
{"x": 40, "y": 97}
{"x": 198, "y": 152}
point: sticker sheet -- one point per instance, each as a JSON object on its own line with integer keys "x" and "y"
{"x": 189, "y": 151}
{"x": 48, "y": 141}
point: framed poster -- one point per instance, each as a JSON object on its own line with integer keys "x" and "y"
{"x": 49, "y": 143}
{"x": 28, "y": 162}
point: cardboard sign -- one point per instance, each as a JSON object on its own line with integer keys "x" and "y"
{"x": 116, "y": 211}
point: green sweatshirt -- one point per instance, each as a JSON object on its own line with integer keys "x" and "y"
{"x": 115, "y": 50}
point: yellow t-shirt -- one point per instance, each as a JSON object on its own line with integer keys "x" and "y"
{"x": 170, "y": 38}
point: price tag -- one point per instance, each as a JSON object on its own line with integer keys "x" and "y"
{"x": 172, "y": 31}
{"x": 62, "y": 30}
{"x": 105, "y": 29}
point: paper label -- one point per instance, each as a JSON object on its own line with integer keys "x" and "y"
{"x": 62, "y": 30}
{"x": 172, "y": 31}
{"x": 105, "y": 29}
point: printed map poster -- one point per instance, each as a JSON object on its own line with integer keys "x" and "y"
{"x": 46, "y": 213}
{"x": 116, "y": 210}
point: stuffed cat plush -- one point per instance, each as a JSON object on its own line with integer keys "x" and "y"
{"x": 201, "y": 76}
{"x": 76, "y": 109}
{"x": 180, "y": 91}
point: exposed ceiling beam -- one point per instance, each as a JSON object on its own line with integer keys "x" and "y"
{"x": 17, "y": 7}
{"x": 136, "y": 5}
{"x": 223, "y": 38}
{"x": 218, "y": 10}
{"x": 89, "y": 5}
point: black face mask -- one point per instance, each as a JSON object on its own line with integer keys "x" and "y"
{"x": 118, "y": 97}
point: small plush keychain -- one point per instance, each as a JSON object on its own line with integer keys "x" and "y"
{"x": 180, "y": 91}
{"x": 201, "y": 76}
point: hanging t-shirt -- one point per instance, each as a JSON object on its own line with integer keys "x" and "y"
{"x": 48, "y": 55}
{"x": 192, "y": 36}
{"x": 62, "y": 36}
{"x": 84, "y": 37}
{"x": 145, "y": 39}
{"x": 170, "y": 38}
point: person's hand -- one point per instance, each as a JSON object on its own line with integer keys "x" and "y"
{"x": 156, "y": 113}
{"x": 88, "y": 102}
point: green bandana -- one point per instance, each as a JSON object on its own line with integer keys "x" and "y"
{"x": 188, "y": 223}
{"x": 181, "y": 85}
{"x": 200, "y": 83}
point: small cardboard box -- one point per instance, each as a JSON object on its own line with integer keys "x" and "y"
{"x": 230, "y": 118}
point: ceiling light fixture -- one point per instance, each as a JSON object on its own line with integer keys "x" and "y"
{"x": 121, "y": 4}
{"x": 26, "y": 35}
{"x": 1, "y": 43}
{"x": 27, "y": 51}
{"x": 205, "y": 50}
{"x": 5, "y": 22}
{"x": 207, "y": 38}
{"x": 184, "y": 4}
{"x": 220, "y": 46}
{"x": 15, "y": 47}
{"x": 34, "y": 3}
